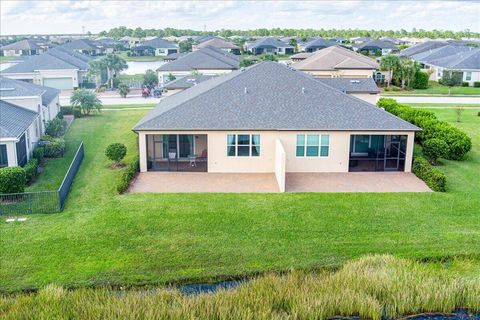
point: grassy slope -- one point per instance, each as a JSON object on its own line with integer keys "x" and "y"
{"x": 434, "y": 88}
{"x": 102, "y": 238}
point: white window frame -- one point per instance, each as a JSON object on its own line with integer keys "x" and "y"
{"x": 320, "y": 145}
{"x": 468, "y": 76}
{"x": 250, "y": 144}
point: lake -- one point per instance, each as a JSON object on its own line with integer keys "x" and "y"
{"x": 139, "y": 67}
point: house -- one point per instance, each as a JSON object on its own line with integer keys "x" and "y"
{"x": 300, "y": 56}
{"x": 317, "y": 44}
{"x": 269, "y": 46}
{"x": 183, "y": 83}
{"x": 130, "y": 42}
{"x": 107, "y": 45}
{"x": 362, "y": 88}
{"x": 422, "y": 47}
{"x": 84, "y": 46}
{"x": 207, "y": 61}
{"x": 218, "y": 43}
{"x": 155, "y": 47}
{"x": 269, "y": 118}
{"x": 25, "y": 47}
{"x": 376, "y": 47}
{"x": 338, "y": 40}
{"x": 59, "y": 68}
{"x": 337, "y": 61}
{"x": 359, "y": 40}
{"x": 174, "y": 56}
{"x": 394, "y": 40}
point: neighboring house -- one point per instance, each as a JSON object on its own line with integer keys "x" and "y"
{"x": 174, "y": 56}
{"x": 338, "y": 40}
{"x": 394, "y": 40}
{"x": 107, "y": 45}
{"x": 130, "y": 42}
{"x": 156, "y": 47}
{"x": 269, "y": 118}
{"x": 317, "y": 44}
{"x": 183, "y": 83}
{"x": 218, "y": 43}
{"x": 57, "y": 68}
{"x": 375, "y": 47}
{"x": 359, "y": 40}
{"x": 337, "y": 61}
{"x": 25, "y": 47}
{"x": 300, "y": 56}
{"x": 422, "y": 47}
{"x": 84, "y": 46}
{"x": 19, "y": 133}
{"x": 362, "y": 88}
{"x": 207, "y": 61}
{"x": 269, "y": 46}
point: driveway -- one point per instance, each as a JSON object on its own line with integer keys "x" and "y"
{"x": 355, "y": 182}
{"x": 435, "y": 99}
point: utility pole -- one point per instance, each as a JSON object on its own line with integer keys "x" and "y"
{"x": 83, "y": 30}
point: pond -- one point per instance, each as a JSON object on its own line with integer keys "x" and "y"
{"x": 139, "y": 67}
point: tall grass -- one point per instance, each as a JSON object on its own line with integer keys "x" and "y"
{"x": 370, "y": 287}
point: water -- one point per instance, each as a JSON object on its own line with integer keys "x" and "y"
{"x": 456, "y": 315}
{"x": 190, "y": 289}
{"x": 139, "y": 67}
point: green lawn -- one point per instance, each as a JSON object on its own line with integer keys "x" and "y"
{"x": 443, "y": 105}
{"x": 103, "y": 238}
{"x": 434, "y": 88}
{"x": 128, "y": 77}
{"x": 123, "y": 54}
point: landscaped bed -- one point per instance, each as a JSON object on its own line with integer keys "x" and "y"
{"x": 103, "y": 238}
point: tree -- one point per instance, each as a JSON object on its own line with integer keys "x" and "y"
{"x": 150, "y": 77}
{"x": 434, "y": 149}
{"x": 293, "y": 43}
{"x": 185, "y": 46}
{"x": 391, "y": 64}
{"x": 123, "y": 89}
{"x": 86, "y": 101}
{"x": 421, "y": 80}
{"x": 114, "y": 64}
{"x": 95, "y": 70}
{"x": 452, "y": 78}
{"x": 170, "y": 77}
{"x": 116, "y": 152}
{"x": 407, "y": 71}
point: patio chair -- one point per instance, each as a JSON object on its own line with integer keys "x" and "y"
{"x": 172, "y": 156}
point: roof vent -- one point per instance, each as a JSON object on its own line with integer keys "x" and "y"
{"x": 303, "y": 89}
{"x": 245, "y": 90}
{"x": 354, "y": 81}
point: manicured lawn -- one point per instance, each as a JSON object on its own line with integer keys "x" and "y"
{"x": 443, "y": 105}
{"x": 434, "y": 88}
{"x": 123, "y": 54}
{"x": 103, "y": 238}
{"x": 129, "y": 77}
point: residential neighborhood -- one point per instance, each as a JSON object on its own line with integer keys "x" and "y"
{"x": 240, "y": 160}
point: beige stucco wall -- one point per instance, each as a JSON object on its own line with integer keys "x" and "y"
{"x": 336, "y": 161}
{"x": 38, "y": 76}
{"x": 370, "y": 98}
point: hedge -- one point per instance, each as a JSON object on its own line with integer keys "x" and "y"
{"x": 476, "y": 84}
{"x": 421, "y": 80}
{"x": 54, "y": 147}
{"x": 12, "y": 180}
{"x": 31, "y": 170}
{"x": 459, "y": 144}
{"x": 128, "y": 176}
{"x": 38, "y": 153}
{"x": 434, "y": 178}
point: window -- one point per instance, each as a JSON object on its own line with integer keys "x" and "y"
{"x": 243, "y": 145}
{"x": 3, "y": 155}
{"x": 468, "y": 76}
{"x": 312, "y": 145}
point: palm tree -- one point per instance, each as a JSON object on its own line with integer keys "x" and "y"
{"x": 390, "y": 63}
{"x": 114, "y": 64}
{"x": 85, "y": 100}
{"x": 95, "y": 70}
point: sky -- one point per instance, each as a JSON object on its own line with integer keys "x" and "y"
{"x": 50, "y": 17}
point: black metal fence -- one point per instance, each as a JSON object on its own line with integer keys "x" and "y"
{"x": 42, "y": 201}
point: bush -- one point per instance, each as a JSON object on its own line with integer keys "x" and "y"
{"x": 476, "y": 84}
{"x": 464, "y": 84}
{"x": 392, "y": 88}
{"x": 31, "y": 170}
{"x": 116, "y": 152}
{"x": 434, "y": 149}
{"x": 38, "y": 153}
{"x": 56, "y": 127}
{"x": 421, "y": 80}
{"x": 127, "y": 176}
{"x": 66, "y": 110}
{"x": 434, "y": 178}
{"x": 54, "y": 147}
{"x": 12, "y": 180}
{"x": 123, "y": 89}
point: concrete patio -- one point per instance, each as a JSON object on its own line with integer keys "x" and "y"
{"x": 197, "y": 182}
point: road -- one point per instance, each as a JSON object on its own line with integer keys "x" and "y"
{"x": 435, "y": 99}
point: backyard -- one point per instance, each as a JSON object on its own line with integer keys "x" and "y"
{"x": 103, "y": 238}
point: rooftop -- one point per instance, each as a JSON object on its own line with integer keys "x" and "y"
{"x": 187, "y": 81}
{"x": 26, "y": 44}
{"x": 160, "y": 43}
{"x": 382, "y": 44}
{"x": 17, "y": 88}
{"x": 217, "y": 43}
{"x": 269, "y": 43}
{"x": 352, "y": 85}
{"x": 14, "y": 120}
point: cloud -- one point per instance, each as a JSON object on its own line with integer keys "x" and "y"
{"x": 20, "y": 17}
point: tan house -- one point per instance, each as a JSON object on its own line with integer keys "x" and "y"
{"x": 362, "y": 88}
{"x": 269, "y": 118}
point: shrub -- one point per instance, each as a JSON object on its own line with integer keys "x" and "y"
{"x": 116, "y": 152}
{"x": 12, "y": 180}
{"x": 476, "y": 84}
{"x": 123, "y": 89}
{"x": 127, "y": 176}
{"x": 464, "y": 84}
{"x": 77, "y": 113}
{"x": 56, "y": 127}
{"x": 54, "y": 147}
{"x": 434, "y": 149}
{"x": 66, "y": 110}
{"x": 421, "y": 80}
{"x": 31, "y": 170}
{"x": 434, "y": 178}
{"x": 392, "y": 88}
{"x": 38, "y": 153}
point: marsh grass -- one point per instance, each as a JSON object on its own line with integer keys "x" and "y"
{"x": 370, "y": 287}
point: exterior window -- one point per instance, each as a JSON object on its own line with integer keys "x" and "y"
{"x": 3, "y": 155}
{"x": 243, "y": 145}
{"x": 468, "y": 76}
{"x": 313, "y": 145}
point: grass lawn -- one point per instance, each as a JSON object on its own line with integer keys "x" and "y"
{"x": 128, "y": 77}
{"x": 434, "y": 88}
{"x": 103, "y": 238}
{"x": 123, "y": 54}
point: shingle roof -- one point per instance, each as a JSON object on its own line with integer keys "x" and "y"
{"x": 336, "y": 57}
{"x": 440, "y": 52}
{"x": 465, "y": 60}
{"x": 205, "y": 58}
{"x": 352, "y": 85}
{"x": 318, "y": 43}
{"x": 217, "y": 43}
{"x": 80, "y": 44}
{"x": 175, "y": 56}
{"x": 268, "y": 96}
{"x": 18, "y": 88}
{"x": 301, "y": 55}
{"x": 382, "y": 44}
{"x": 187, "y": 81}
{"x": 14, "y": 120}
{"x": 422, "y": 47}
{"x": 160, "y": 43}
{"x": 26, "y": 44}
{"x": 269, "y": 43}
{"x": 54, "y": 59}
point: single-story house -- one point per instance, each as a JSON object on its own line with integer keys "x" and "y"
{"x": 19, "y": 133}
{"x": 218, "y": 43}
{"x": 317, "y": 44}
{"x": 184, "y": 82}
{"x": 300, "y": 56}
{"x": 337, "y": 61}
{"x": 362, "y": 88}
{"x": 269, "y": 46}
{"x": 359, "y": 40}
{"x": 376, "y": 46}
{"x": 207, "y": 61}
{"x": 422, "y": 47}
{"x": 269, "y": 118}
{"x": 25, "y": 47}
{"x": 107, "y": 45}
{"x": 155, "y": 47}
{"x": 84, "y": 46}
{"x": 130, "y": 42}
{"x": 58, "y": 68}
{"x": 338, "y": 40}
{"x": 174, "y": 56}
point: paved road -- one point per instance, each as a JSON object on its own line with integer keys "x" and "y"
{"x": 65, "y": 100}
{"x": 433, "y": 99}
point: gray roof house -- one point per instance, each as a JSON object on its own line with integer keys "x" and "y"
{"x": 10, "y": 88}
{"x": 362, "y": 88}
{"x": 317, "y": 44}
{"x": 376, "y": 46}
{"x": 269, "y": 46}
{"x": 27, "y": 47}
{"x": 218, "y": 43}
{"x": 84, "y": 46}
{"x": 186, "y": 82}
{"x": 156, "y": 47}
{"x": 269, "y": 118}
{"x": 422, "y": 47}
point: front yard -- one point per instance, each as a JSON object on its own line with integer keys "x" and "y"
{"x": 145, "y": 239}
